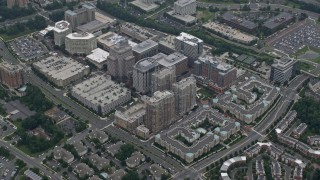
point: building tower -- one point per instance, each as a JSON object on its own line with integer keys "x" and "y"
{"x": 160, "y": 110}
{"x": 11, "y": 75}
{"x": 60, "y": 31}
{"x": 163, "y": 79}
{"x": 120, "y": 62}
{"x": 185, "y": 94}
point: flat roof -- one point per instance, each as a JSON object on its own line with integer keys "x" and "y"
{"x": 238, "y": 20}
{"x": 84, "y": 35}
{"x": 189, "y": 39}
{"x": 172, "y": 59}
{"x": 98, "y": 55}
{"x": 100, "y": 90}
{"x": 145, "y": 45}
{"x": 278, "y": 20}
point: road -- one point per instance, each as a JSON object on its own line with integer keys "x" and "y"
{"x": 284, "y": 102}
{"x": 260, "y": 5}
{"x": 31, "y": 162}
{"x": 145, "y": 147}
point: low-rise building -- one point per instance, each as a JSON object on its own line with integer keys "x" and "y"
{"x": 100, "y": 135}
{"x": 131, "y": 117}
{"x": 31, "y": 175}
{"x": 142, "y": 132}
{"x": 117, "y": 175}
{"x": 278, "y": 22}
{"x": 135, "y": 160}
{"x": 157, "y": 171}
{"x": 83, "y": 170}
{"x": 61, "y": 70}
{"x": 64, "y": 155}
{"x": 99, "y": 162}
{"x": 114, "y": 148}
{"x": 101, "y": 94}
{"x": 137, "y": 32}
{"x": 298, "y": 173}
{"x": 255, "y": 107}
{"x": 314, "y": 140}
{"x": 98, "y": 57}
{"x": 276, "y": 169}
{"x": 80, "y": 148}
{"x": 299, "y": 130}
{"x": 260, "y": 167}
{"x": 240, "y": 23}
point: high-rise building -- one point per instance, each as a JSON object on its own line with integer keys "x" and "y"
{"x": 19, "y": 3}
{"x": 121, "y": 60}
{"x": 163, "y": 79}
{"x": 160, "y": 110}
{"x": 185, "y": 7}
{"x": 283, "y": 69}
{"x": 80, "y": 16}
{"x": 145, "y": 49}
{"x": 11, "y": 75}
{"x": 142, "y": 72}
{"x": 80, "y": 43}
{"x": 61, "y": 30}
{"x": 189, "y": 45}
{"x": 185, "y": 94}
{"x": 219, "y": 73}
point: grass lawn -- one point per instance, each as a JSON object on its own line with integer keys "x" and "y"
{"x": 205, "y": 14}
{"x": 300, "y": 51}
{"x": 6, "y": 37}
{"x": 305, "y": 66}
{"x": 206, "y": 93}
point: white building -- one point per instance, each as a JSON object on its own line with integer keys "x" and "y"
{"x": 282, "y": 70}
{"x": 185, "y": 7}
{"x": 189, "y": 45}
{"x": 80, "y": 43}
{"x": 60, "y": 31}
{"x": 101, "y": 94}
{"x": 98, "y": 57}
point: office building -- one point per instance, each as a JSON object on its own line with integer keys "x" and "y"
{"x": 61, "y": 70}
{"x": 11, "y": 75}
{"x": 185, "y": 7}
{"x": 110, "y": 38}
{"x": 145, "y": 5}
{"x": 121, "y": 60}
{"x": 19, "y": 3}
{"x": 160, "y": 110}
{"x": 142, "y": 72}
{"x": 166, "y": 44}
{"x": 163, "y": 79}
{"x": 220, "y": 74}
{"x": 239, "y": 23}
{"x": 80, "y": 16}
{"x": 101, "y": 94}
{"x": 131, "y": 117}
{"x": 60, "y": 31}
{"x": 176, "y": 60}
{"x": 189, "y": 45}
{"x": 185, "y": 92}
{"x": 278, "y": 22}
{"x": 98, "y": 57}
{"x": 145, "y": 49}
{"x": 283, "y": 69}
{"x": 80, "y": 43}
{"x": 137, "y": 32}
{"x": 101, "y": 22}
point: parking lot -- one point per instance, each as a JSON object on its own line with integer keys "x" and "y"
{"x": 307, "y": 34}
{"x": 28, "y": 48}
{"x": 7, "y": 168}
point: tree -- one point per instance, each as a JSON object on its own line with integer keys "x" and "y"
{"x": 124, "y": 152}
{"x": 131, "y": 175}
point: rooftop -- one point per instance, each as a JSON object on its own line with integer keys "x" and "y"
{"x": 172, "y": 59}
{"x": 145, "y": 45}
{"x": 76, "y": 35}
{"x": 100, "y": 89}
{"x": 61, "y": 26}
{"x": 98, "y": 55}
{"x": 243, "y": 22}
{"x": 189, "y": 39}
